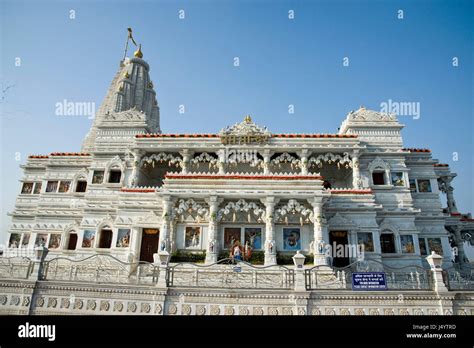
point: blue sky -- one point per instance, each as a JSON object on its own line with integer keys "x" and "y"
{"x": 282, "y": 62}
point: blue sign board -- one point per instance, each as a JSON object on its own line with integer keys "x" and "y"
{"x": 369, "y": 281}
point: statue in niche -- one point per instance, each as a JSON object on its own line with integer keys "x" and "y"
{"x": 212, "y": 243}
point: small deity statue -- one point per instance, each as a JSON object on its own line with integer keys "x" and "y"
{"x": 247, "y": 250}
{"x": 211, "y": 246}
{"x": 163, "y": 245}
{"x": 321, "y": 247}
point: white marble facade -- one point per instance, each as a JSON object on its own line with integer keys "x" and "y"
{"x": 133, "y": 187}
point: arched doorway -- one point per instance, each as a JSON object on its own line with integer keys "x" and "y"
{"x": 149, "y": 246}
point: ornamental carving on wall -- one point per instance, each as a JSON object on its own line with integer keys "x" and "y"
{"x": 293, "y": 209}
{"x": 162, "y": 157}
{"x": 344, "y": 161}
{"x": 204, "y": 158}
{"x": 233, "y": 210}
{"x": 190, "y": 208}
{"x": 294, "y": 162}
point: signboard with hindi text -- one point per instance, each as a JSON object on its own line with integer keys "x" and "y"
{"x": 369, "y": 281}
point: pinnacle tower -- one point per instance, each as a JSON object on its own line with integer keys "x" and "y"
{"x": 129, "y": 107}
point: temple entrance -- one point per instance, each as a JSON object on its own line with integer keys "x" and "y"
{"x": 150, "y": 237}
{"x": 340, "y": 249}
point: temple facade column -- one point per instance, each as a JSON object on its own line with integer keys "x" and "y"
{"x": 450, "y": 195}
{"x": 459, "y": 241}
{"x": 172, "y": 227}
{"x": 304, "y": 161}
{"x": 133, "y": 179}
{"x": 135, "y": 244}
{"x": 221, "y": 154}
{"x": 270, "y": 244}
{"x": 164, "y": 243}
{"x": 356, "y": 180}
{"x": 266, "y": 162}
{"x": 319, "y": 229}
{"x": 212, "y": 252}
{"x": 186, "y": 154}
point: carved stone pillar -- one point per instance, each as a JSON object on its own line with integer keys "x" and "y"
{"x": 172, "y": 227}
{"x": 164, "y": 243}
{"x": 356, "y": 180}
{"x": 133, "y": 179}
{"x": 212, "y": 252}
{"x": 221, "y": 161}
{"x": 450, "y": 195}
{"x": 459, "y": 241}
{"x": 270, "y": 244}
{"x": 186, "y": 154}
{"x": 319, "y": 243}
{"x": 266, "y": 162}
{"x": 304, "y": 162}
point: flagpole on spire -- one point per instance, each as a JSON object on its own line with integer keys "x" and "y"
{"x": 129, "y": 37}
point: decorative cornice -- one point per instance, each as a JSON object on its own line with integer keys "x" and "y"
{"x": 69, "y": 154}
{"x": 140, "y": 190}
{"x": 212, "y": 135}
{"x": 350, "y": 192}
{"x": 157, "y": 135}
{"x": 241, "y": 177}
{"x": 415, "y": 150}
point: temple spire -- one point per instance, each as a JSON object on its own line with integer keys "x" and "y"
{"x": 130, "y": 100}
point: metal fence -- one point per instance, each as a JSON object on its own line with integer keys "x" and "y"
{"x": 228, "y": 273}
{"x": 16, "y": 267}
{"x": 403, "y": 278}
{"x": 101, "y": 269}
{"x": 459, "y": 278}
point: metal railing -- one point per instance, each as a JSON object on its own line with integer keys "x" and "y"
{"x": 101, "y": 269}
{"x": 16, "y": 267}
{"x": 230, "y": 273}
{"x": 459, "y": 278}
{"x": 403, "y": 278}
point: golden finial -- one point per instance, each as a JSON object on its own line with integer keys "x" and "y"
{"x": 138, "y": 53}
{"x": 248, "y": 119}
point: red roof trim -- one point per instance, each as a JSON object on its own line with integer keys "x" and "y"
{"x": 154, "y": 135}
{"x": 38, "y": 156}
{"x": 468, "y": 220}
{"x": 243, "y": 177}
{"x": 441, "y": 165}
{"x": 284, "y": 135}
{"x": 416, "y": 150}
{"x": 210, "y": 135}
{"x": 69, "y": 154}
{"x": 137, "y": 190}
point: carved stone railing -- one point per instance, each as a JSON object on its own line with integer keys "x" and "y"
{"x": 101, "y": 269}
{"x": 403, "y": 278}
{"x": 457, "y": 278}
{"x": 226, "y": 274}
{"x": 16, "y": 267}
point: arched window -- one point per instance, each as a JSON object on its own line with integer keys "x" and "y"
{"x": 387, "y": 243}
{"x": 379, "y": 172}
{"x": 115, "y": 175}
{"x": 72, "y": 242}
{"x": 105, "y": 238}
{"x": 81, "y": 185}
